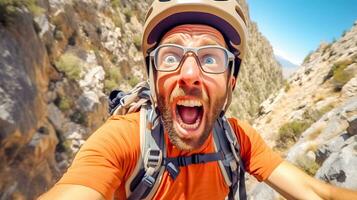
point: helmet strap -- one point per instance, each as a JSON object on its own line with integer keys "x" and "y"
{"x": 230, "y": 89}
{"x": 152, "y": 84}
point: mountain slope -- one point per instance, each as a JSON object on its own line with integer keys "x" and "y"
{"x": 287, "y": 66}
{"x": 312, "y": 120}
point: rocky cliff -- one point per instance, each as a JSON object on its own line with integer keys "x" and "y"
{"x": 59, "y": 59}
{"x": 259, "y": 75}
{"x": 312, "y": 120}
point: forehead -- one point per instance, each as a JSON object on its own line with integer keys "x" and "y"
{"x": 194, "y": 35}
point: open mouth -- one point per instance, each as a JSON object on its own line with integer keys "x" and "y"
{"x": 189, "y": 113}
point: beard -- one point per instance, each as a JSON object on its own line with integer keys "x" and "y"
{"x": 210, "y": 115}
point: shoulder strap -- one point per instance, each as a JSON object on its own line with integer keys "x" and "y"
{"x": 121, "y": 103}
{"x": 232, "y": 167}
{"x": 145, "y": 179}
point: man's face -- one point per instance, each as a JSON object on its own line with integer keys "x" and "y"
{"x": 189, "y": 99}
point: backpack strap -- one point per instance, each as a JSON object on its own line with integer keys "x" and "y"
{"x": 121, "y": 103}
{"x": 145, "y": 179}
{"x": 173, "y": 164}
{"x": 232, "y": 167}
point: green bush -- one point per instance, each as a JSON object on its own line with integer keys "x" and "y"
{"x": 286, "y": 86}
{"x": 70, "y": 65}
{"x": 326, "y": 109}
{"x": 115, "y": 3}
{"x": 112, "y": 78}
{"x": 9, "y": 6}
{"x": 67, "y": 147}
{"x": 128, "y": 14}
{"x": 64, "y": 103}
{"x": 109, "y": 85}
{"x": 117, "y": 20}
{"x": 78, "y": 117}
{"x": 133, "y": 81}
{"x": 290, "y": 132}
{"x": 340, "y": 76}
{"x": 113, "y": 73}
{"x": 137, "y": 41}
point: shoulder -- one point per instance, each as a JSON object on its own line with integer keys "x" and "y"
{"x": 118, "y": 126}
{"x": 118, "y": 133}
{"x": 116, "y": 141}
{"x": 108, "y": 156}
{"x": 259, "y": 159}
{"x": 243, "y": 129}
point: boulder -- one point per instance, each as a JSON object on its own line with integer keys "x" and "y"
{"x": 350, "y": 88}
{"x": 339, "y": 168}
{"x": 335, "y": 145}
{"x": 352, "y": 125}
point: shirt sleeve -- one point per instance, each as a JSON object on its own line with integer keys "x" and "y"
{"x": 107, "y": 157}
{"x": 259, "y": 159}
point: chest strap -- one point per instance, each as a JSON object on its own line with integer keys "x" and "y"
{"x": 172, "y": 164}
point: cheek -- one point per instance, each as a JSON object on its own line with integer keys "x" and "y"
{"x": 216, "y": 86}
{"x": 164, "y": 84}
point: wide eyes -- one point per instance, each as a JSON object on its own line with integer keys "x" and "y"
{"x": 208, "y": 60}
{"x": 170, "y": 59}
{"x": 211, "y": 59}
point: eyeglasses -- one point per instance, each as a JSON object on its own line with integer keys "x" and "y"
{"x": 212, "y": 59}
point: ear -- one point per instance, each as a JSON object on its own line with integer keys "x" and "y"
{"x": 233, "y": 82}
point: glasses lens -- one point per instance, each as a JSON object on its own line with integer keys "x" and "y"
{"x": 213, "y": 59}
{"x": 168, "y": 58}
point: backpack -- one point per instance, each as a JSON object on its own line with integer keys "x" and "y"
{"x": 151, "y": 164}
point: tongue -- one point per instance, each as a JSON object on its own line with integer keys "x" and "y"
{"x": 188, "y": 115}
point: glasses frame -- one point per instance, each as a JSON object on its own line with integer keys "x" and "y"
{"x": 192, "y": 51}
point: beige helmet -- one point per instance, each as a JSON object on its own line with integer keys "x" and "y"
{"x": 224, "y": 15}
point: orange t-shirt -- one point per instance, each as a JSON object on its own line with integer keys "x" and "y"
{"x": 109, "y": 156}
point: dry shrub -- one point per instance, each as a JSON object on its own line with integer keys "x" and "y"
{"x": 112, "y": 78}
{"x": 290, "y": 132}
{"x": 340, "y": 76}
{"x": 70, "y": 65}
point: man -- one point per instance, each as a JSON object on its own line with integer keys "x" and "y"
{"x": 193, "y": 49}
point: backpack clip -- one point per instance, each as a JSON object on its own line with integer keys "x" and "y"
{"x": 153, "y": 159}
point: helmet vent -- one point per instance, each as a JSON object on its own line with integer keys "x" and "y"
{"x": 240, "y": 13}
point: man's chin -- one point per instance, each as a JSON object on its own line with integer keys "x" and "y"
{"x": 188, "y": 139}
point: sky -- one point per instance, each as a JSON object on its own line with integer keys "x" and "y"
{"x": 296, "y": 27}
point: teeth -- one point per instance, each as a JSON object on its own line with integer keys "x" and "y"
{"x": 189, "y": 126}
{"x": 189, "y": 103}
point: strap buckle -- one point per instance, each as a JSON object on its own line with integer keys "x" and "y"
{"x": 148, "y": 181}
{"x": 153, "y": 159}
{"x": 195, "y": 159}
{"x": 181, "y": 161}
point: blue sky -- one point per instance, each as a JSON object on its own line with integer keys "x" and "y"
{"x": 296, "y": 27}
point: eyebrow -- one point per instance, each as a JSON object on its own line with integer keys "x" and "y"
{"x": 204, "y": 42}
{"x": 173, "y": 40}
{"x": 208, "y": 41}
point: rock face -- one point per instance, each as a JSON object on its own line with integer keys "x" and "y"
{"x": 259, "y": 72}
{"x": 317, "y": 110}
{"x": 25, "y": 132}
{"x": 57, "y": 65}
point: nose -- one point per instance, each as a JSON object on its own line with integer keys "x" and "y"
{"x": 190, "y": 73}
